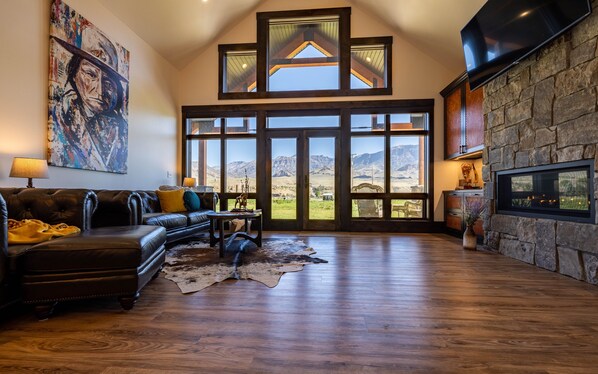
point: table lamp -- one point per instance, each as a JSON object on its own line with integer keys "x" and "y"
{"x": 189, "y": 182}
{"x": 29, "y": 168}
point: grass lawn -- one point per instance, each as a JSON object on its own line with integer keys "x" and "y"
{"x": 286, "y": 209}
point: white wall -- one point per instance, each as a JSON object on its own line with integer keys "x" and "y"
{"x": 153, "y": 130}
{"x": 415, "y": 76}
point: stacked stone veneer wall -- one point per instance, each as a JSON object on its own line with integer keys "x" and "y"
{"x": 544, "y": 111}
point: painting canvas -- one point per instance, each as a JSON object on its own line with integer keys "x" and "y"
{"x": 88, "y": 95}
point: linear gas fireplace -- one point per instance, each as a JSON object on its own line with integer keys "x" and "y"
{"x": 559, "y": 191}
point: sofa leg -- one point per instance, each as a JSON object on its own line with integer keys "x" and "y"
{"x": 44, "y": 311}
{"x": 127, "y": 302}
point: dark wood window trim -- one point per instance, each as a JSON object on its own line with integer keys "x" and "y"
{"x": 386, "y": 41}
{"x": 344, "y": 109}
{"x": 345, "y": 43}
{"x": 223, "y": 49}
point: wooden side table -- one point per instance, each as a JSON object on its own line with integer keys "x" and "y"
{"x": 217, "y": 220}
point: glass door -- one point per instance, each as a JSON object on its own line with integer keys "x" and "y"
{"x": 322, "y": 180}
{"x": 303, "y": 180}
{"x": 285, "y": 182}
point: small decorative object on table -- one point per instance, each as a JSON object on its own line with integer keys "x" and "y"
{"x": 241, "y": 200}
{"x": 474, "y": 208}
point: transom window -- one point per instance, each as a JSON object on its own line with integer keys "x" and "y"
{"x": 305, "y": 53}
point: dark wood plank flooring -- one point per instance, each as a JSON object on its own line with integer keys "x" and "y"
{"x": 392, "y": 303}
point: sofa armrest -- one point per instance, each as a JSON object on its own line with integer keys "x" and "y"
{"x": 209, "y": 200}
{"x": 150, "y": 203}
{"x": 117, "y": 208}
{"x": 71, "y": 206}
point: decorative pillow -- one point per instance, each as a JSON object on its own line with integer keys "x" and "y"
{"x": 171, "y": 201}
{"x": 191, "y": 201}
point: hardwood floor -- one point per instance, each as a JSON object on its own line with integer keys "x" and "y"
{"x": 398, "y": 303}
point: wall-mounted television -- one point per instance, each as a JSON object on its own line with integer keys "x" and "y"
{"x": 505, "y": 31}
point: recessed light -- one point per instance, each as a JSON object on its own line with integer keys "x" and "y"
{"x": 244, "y": 66}
{"x": 523, "y": 14}
{"x": 368, "y": 59}
{"x": 204, "y": 1}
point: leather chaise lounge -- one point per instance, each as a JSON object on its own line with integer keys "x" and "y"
{"x": 101, "y": 261}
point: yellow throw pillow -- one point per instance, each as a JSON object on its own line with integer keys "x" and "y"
{"x": 171, "y": 201}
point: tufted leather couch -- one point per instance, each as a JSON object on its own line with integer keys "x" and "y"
{"x": 101, "y": 261}
{"x": 127, "y": 207}
{"x": 74, "y": 207}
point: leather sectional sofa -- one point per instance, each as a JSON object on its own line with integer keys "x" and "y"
{"x": 120, "y": 249}
{"x": 121, "y": 246}
{"x": 126, "y": 207}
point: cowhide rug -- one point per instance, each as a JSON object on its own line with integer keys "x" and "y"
{"x": 195, "y": 265}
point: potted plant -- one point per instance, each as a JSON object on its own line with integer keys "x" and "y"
{"x": 474, "y": 208}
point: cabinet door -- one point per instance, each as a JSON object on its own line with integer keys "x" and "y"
{"x": 453, "y": 201}
{"x": 454, "y": 221}
{"x": 478, "y": 227}
{"x": 453, "y": 123}
{"x": 474, "y": 119}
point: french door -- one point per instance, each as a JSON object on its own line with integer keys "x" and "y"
{"x": 302, "y": 180}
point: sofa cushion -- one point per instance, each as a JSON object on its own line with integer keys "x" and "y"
{"x": 117, "y": 247}
{"x": 194, "y": 218}
{"x": 171, "y": 201}
{"x": 191, "y": 200}
{"x": 14, "y": 256}
{"x": 168, "y": 220}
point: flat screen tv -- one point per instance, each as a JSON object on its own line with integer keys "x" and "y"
{"x": 505, "y": 31}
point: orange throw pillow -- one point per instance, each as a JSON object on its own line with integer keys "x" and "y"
{"x": 172, "y": 201}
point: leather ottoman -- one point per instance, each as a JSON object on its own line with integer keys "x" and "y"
{"x": 108, "y": 261}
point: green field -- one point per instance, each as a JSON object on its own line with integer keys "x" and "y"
{"x": 319, "y": 209}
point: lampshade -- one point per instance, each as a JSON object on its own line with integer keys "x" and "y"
{"x": 189, "y": 182}
{"x": 23, "y": 167}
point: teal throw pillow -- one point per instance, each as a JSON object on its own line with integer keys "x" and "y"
{"x": 191, "y": 201}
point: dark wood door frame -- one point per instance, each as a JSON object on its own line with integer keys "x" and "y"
{"x": 302, "y": 221}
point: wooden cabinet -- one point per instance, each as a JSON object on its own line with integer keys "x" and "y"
{"x": 463, "y": 120}
{"x": 454, "y": 211}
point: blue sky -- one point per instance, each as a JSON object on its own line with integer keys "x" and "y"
{"x": 305, "y": 78}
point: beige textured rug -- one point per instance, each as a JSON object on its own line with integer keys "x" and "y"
{"x": 195, "y": 266}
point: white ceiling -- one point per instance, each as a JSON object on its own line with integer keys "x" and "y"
{"x": 180, "y": 29}
{"x": 433, "y": 26}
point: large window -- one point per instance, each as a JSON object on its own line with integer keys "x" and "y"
{"x": 389, "y": 167}
{"x": 220, "y": 151}
{"x": 305, "y": 53}
{"x": 345, "y": 165}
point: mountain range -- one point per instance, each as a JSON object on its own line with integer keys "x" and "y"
{"x": 406, "y": 157}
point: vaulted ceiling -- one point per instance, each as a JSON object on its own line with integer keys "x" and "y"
{"x": 181, "y": 29}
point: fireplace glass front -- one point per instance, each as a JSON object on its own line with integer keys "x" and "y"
{"x": 559, "y": 191}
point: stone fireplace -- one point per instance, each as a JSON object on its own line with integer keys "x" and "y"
{"x": 539, "y": 116}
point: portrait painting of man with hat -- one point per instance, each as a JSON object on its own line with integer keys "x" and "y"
{"x": 88, "y": 109}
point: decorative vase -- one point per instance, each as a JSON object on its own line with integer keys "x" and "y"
{"x": 470, "y": 240}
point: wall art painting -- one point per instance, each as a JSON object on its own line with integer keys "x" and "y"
{"x": 88, "y": 95}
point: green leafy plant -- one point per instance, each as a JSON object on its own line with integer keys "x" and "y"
{"x": 474, "y": 209}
